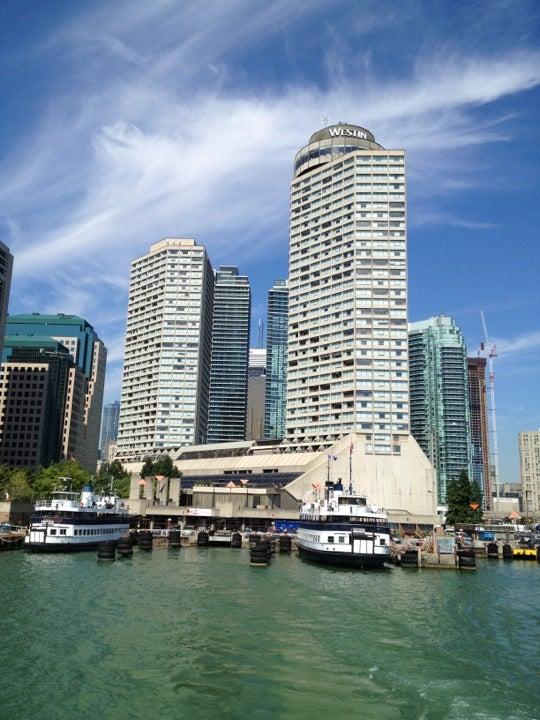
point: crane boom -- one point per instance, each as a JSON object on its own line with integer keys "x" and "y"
{"x": 491, "y": 352}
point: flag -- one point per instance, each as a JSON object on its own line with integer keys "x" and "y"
{"x": 332, "y": 457}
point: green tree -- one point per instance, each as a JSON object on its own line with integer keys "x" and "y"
{"x": 19, "y": 487}
{"x": 115, "y": 471}
{"x": 148, "y": 468}
{"x": 460, "y": 494}
{"x": 47, "y": 479}
{"x": 164, "y": 466}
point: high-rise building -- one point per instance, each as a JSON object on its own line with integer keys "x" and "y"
{"x": 89, "y": 355}
{"x": 476, "y": 367}
{"x": 6, "y": 268}
{"x": 529, "y": 462}
{"x": 42, "y": 404}
{"x": 440, "y": 398}
{"x": 347, "y": 344}
{"x": 164, "y": 401}
{"x": 109, "y": 427}
{"x": 227, "y": 414}
{"x": 256, "y": 388}
{"x": 276, "y": 361}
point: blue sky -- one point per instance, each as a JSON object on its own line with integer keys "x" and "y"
{"x": 125, "y": 122}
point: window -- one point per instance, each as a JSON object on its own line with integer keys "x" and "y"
{"x": 330, "y": 538}
{"x": 382, "y": 541}
{"x": 53, "y": 531}
{"x": 342, "y": 539}
{"x": 63, "y": 531}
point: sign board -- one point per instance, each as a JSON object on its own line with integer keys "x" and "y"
{"x": 445, "y": 545}
{"x": 199, "y": 512}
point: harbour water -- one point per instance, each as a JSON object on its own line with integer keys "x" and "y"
{"x": 200, "y": 634}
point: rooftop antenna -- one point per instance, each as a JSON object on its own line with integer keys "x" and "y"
{"x": 491, "y": 352}
{"x": 325, "y": 121}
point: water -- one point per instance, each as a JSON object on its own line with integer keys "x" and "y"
{"x": 202, "y": 635}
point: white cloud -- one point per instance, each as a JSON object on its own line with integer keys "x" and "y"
{"x": 521, "y": 344}
{"x": 151, "y": 137}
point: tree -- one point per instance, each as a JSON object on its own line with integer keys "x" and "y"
{"x": 19, "y": 487}
{"x": 115, "y": 471}
{"x": 460, "y": 494}
{"x": 148, "y": 468}
{"x": 164, "y": 466}
{"x": 47, "y": 479}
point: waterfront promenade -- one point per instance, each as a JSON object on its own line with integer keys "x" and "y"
{"x": 200, "y": 634}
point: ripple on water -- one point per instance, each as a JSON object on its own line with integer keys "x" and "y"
{"x": 203, "y": 635}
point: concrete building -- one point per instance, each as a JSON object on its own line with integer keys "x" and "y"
{"x": 42, "y": 404}
{"x": 6, "y": 269}
{"x": 89, "y": 354}
{"x": 440, "y": 398}
{"x": 227, "y": 414}
{"x": 347, "y": 343}
{"x": 476, "y": 374}
{"x": 253, "y": 484}
{"x": 165, "y": 387}
{"x": 276, "y": 361}
{"x": 256, "y": 393}
{"x": 529, "y": 463}
{"x": 109, "y": 427}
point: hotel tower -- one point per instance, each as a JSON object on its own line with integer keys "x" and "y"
{"x": 347, "y": 337}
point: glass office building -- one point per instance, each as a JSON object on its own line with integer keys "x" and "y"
{"x": 227, "y": 412}
{"x": 276, "y": 361}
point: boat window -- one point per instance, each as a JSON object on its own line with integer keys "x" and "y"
{"x": 53, "y": 531}
{"x": 382, "y": 541}
{"x": 330, "y": 538}
{"x": 63, "y": 531}
{"x": 341, "y": 539}
{"x": 352, "y": 500}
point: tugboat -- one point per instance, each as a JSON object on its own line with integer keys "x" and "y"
{"x": 70, "y": 522}
{"x": 342, "y": 529}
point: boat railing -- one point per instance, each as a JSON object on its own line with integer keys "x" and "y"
{"x": 56, "y": 504}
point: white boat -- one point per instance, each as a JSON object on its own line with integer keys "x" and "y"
{"x": 340, "y": 528}
{"x": 69, "y": 522}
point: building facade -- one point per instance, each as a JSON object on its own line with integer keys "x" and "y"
{"x": 164, "y": 401}
{"x": 6, "y": 269}
{"x": 256, "y": 393}
{"x": 276, "y": 361}
{"x": 89, "y": 355}
{"x": 529, "y": 463}
{"x": 347, "y": 325}
{"x": 109, "y": 427}
{"x": 227, "y": 414}
{"x": 42, "y": 403}
{"x": 476, "y": 372}
{"x": 440, "y": 398}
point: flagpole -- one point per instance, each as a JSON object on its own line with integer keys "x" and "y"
{"x": 350, "y": 469}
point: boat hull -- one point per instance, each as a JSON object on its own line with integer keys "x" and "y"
{"x": 67, "y": 547}
{"x": 351, "y": 560}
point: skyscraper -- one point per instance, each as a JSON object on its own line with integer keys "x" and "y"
{"x": 227, "y": 414}
{"x": 109, "y": 426}
{"x": 89, "y": 355}
{"x": 440, "y": 398}
{"x": 42, "y": 404}
{"x": 276, "y": 361}
{"x": 256, "y": 388}
{"x": 529, "y": 462}
{"x": 6, "y": 268}
{"x": 164, "y": 401}
{"x": 347, "y": 340}
{"x": 476, "y": 367}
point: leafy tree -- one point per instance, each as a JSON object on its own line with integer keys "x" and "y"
{"x": 164, "y": 466}
{"x": 121, "y": 479}
{"x": 19, "y": 487}
{"x": 460, "y": 494}
{"x": 148, "y": 468}
{"x": 47, "y": 479}
{"x": 5, "y": 477}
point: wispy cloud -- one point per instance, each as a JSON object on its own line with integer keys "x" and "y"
{"x": 148, "y": 139}
{"x": 520, "y": 344}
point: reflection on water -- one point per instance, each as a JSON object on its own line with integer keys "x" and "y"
{"x": 200, "y": 634}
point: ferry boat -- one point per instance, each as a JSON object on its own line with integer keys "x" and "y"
{"x": 342, "y": 529}
{"x": 69, "y": 522}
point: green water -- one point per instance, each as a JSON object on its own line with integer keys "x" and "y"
{"x": 202, "y": 635}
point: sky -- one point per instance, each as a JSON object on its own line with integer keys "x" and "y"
{"x": 126, "y": 122}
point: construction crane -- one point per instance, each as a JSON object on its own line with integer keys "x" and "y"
{"x": 490, "y": 351}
